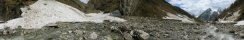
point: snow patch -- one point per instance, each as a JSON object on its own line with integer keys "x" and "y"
{"x": 216, "y": 35}
{"x": 183, "y": 18}
{"x": 45, "y": 12}
{"x": 240, "y": 23}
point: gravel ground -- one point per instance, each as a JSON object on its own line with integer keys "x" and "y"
{"x": 136, "y": 28}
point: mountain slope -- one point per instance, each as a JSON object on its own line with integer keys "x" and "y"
{"x": 44, "y": 12}
{"x": 10, "y": 9}
{"x": 234, "y": 13}
{"x": 143, "y": 8}
{"x": 205, "y": 15}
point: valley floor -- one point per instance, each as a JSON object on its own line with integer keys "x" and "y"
{"x": 136, "y": 28}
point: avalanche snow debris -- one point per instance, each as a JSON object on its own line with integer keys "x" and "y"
{"x": 45, "y": 12}
{"x": 240, "y": 23}
{"x": 230, "y": 19}
{"x": 183, "y": 18}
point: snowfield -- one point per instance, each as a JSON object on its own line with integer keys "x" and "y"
{"x": 240, "y": 23}
{"x": 231, "y": 18}
{"x": 45, "y": 12}
{"x": 211, "y": 31}
{"x": 183, "y": 18}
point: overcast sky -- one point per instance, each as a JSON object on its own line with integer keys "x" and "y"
{"x": 84, "y": 1}
{"x": 196, "y": 7}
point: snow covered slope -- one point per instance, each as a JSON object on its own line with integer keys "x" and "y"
{"x": 234, "y": 13}
{"x": 45, "y": 12}
{"x": 232, "y": 18}
{"x": 182, "y": 18}
{"x": 240, "y": 23}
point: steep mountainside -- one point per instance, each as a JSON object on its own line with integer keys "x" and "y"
{"x": 144, "y": 8}
{"x": 234, "y": 13}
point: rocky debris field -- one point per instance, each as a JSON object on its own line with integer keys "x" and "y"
{"x": 136, "y": 28}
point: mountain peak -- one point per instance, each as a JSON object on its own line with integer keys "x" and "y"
{"x": 209, "y": 15}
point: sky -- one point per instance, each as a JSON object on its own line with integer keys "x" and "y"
{"x": 196, "y": 7}
{"x": 84, "y": 1}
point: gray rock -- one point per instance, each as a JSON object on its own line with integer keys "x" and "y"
{"x": 78, "y": 31}
{"x": 140, "y": 33}
{"x": 127, "y": 36}
{"x": 116, "y": 13}
{"x": 93, "y": 35}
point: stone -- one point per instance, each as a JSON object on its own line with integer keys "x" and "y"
{"x": 93, "y": 35}
{"x": 108, "y": 38}
{"x": 241, "y": 34}
{"x": 78, "y": 32}
{"x": 70, "y": 31}
{"x": 143, "y": 34}
{"x": 116, "y": 13}
{"x": 127, "y": 36}
{"x": 140, "y": 33}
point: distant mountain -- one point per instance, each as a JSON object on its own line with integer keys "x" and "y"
{"x": 144, "y": 8}
{"x": 234, "y": 13}
{"x": 209, "y": 15}
{"x": 205, "y": 15}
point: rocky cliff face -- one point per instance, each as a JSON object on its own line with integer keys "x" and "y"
{"x": 234, "y": 13}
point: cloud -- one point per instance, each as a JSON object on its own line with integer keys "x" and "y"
{"x": 196, "y": 7}
{"x": 84, "y": 1}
